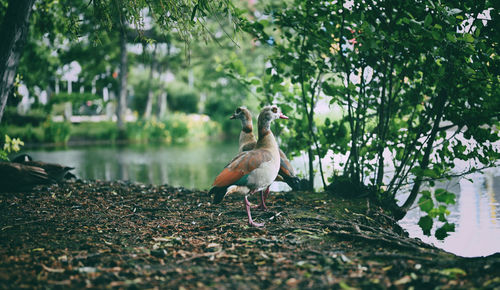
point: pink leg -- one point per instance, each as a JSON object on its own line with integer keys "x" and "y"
{"x": 250, "y": 220}
{"x": 263, "y": 198}
{"x": 266, "y": 194}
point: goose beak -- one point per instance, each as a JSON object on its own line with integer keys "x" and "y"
{"x": 283, "y": 116}
{"x": 232, "y": 117}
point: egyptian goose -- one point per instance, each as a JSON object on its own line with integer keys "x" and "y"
{"x": 15, "y": 177}
{"x": 247, "y": 142}
{"x": 254, "y": 170}
{"x": 57, "y": 172}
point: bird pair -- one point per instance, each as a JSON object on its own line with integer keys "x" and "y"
{"x": 258, "y": 162}
{"x": 22, "y": 174}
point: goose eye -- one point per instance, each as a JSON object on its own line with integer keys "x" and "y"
{"x": 238, "y": 111}
{"x": 275, "y": 110}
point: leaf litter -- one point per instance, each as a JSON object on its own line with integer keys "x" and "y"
{"x": 120, "y": 234}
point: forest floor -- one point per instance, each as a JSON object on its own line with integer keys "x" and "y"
{"x": 116, "y": 234}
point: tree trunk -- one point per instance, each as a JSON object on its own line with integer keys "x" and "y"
{"x": 122, "y": 89}
{"x": 427, "y": 153}
{"x": 162, "y": 105}
{"x": 152, "y": 68}
{"x": 310, "y": 155}
{"x": 163, "y": 98}
{"x": 13, "y": 34}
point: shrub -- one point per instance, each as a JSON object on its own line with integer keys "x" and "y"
{"x": 150, "y": 130}
{"x": 27, "y": 133}
{"x": 56, "y": 132}
{"x": 33, "y": 117}
{"x": 182, "y": 98}
{"x": 94, "y": 131}
{"x": 178, "y": 130}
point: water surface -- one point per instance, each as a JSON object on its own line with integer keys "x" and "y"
{"x": 193, "y": 166}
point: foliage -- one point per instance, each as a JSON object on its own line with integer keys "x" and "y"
{"x": 72, "y": 97}
{"x": 28, "y": 132}
{"x": 56, "y": 132}
{"x": 107, "y": 131}
{"x": 33, "y": 117}
{"x": 182, "y": 98}
{"x": 141, "y": 84}
{"x": 177, "y": 129}
{"x": 187, "y": 18}
{"x": 435, "y": 208}
{"x": 402, "y": 72}
{"x": 10, "y": 145}
{"x": 170, "y": 130}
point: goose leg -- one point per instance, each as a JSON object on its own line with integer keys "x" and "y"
{"x": 266, "y": 194}
{"x": 250, "y": 220}
{"x": 263, "y": 198}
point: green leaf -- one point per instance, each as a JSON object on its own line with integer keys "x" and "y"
{"x": 443, "y": 231}
{"x": 451, "y": 37}
{"x": 425, "y": 203}
{"x": 453, "y": 273}
{"x": 454, "y": 11}
{"x": 477, "y": 32}
{"x": 417, "y": 171}
{"x": 428, "y": 20}
{"x": 436, "y": 35}
{"x": 468, "y": 37}
{"x": 444, "y": 196}
{"x": 329, "y": 90}
{"x": 430, "y": 173}
{"x": 255, "y": 81}
{"x": 425, "y": 224}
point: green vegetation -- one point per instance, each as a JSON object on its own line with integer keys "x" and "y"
{"x": 94, "y": 131}
{"x": 415, "y": 83}
{"x": 180, "y": 128}
{"x": 10, "y": 145}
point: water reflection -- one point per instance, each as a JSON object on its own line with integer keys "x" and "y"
{"x": 194, "y": 166}
{"x": 476, "y": 216}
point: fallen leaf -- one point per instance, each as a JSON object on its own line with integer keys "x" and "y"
{"x": 52, "y": 270}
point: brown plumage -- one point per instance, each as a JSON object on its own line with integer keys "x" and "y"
{"x": 55, "y": 171}
{"x": 15, "y": 177}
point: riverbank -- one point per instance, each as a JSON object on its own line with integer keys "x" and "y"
{"x": 108, "y": 234}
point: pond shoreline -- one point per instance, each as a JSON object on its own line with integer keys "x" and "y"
{"x": 107, "y": 234}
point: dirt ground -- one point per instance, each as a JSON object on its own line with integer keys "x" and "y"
{"x": 116, "y": 234}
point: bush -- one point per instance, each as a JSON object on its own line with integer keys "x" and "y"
{"x": 73, "y": 97}
{"x": 56, "y": 132}
{"x": 94, "y": 131}
{"x": 150, "y": 130}
{"x": 181, "y": 98}
{"x": 178, "y": 130}
{"x": 34, "y": 117}
{"x": 27, "y": 133}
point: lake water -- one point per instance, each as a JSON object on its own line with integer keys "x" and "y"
{"x": 476, "y": 214}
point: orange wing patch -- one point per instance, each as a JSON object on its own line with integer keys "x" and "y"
{"x": 227, "y": 177}
{"x": 285, "y": 166}
{"x": 242, "y": 165}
